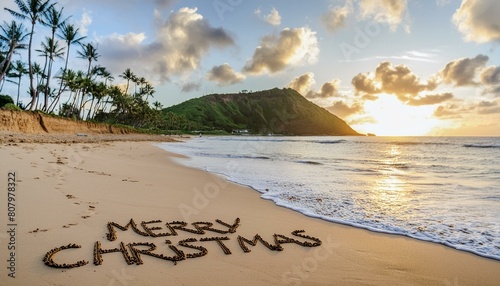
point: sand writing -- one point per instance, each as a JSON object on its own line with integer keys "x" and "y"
{"x": 184, "y": 249}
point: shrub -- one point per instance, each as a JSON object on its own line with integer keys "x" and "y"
{"x": 5, "y": 99}
{"x": 11, "y": 106}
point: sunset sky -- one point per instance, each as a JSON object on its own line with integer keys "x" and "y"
{"x": 389, "y": 67}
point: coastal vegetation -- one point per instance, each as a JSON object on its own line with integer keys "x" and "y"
{"x": 275, "y": 111}
{"x": 79, "y": 94}
{"x": 90, "y": 93}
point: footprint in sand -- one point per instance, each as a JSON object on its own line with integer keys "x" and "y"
{"x": 38, "y": 230}
{"x": 99, "y": 173}
{"x": 69, "y": 225}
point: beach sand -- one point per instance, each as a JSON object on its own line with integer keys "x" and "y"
{"x": 67, "y": 193}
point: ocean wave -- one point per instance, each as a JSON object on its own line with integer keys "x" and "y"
{"x": 348, "y": 184}
{"x": 482, "y": 146}
{"x": 281, "y": 140}
{"x": 403, "y": 143}
{"x": 232, "y": 156}
{"x": 310, "y": 162}
{"x": 328, "y": 141}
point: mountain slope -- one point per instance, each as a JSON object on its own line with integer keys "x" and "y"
{"x": 278, "y": 111}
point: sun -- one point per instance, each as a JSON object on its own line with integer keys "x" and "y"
{"x": 393, "y": 118}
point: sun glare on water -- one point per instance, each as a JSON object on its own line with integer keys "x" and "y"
{"x": 393, "y": 118}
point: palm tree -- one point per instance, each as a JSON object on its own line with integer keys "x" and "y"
{"x": 52, "y": 18}
{"x": 31, "y": 10}
{"x": 157, "y": 105}
{"x": 39, "y": 73}
{"x": 13, "y": 35}
{"x": 88, "y": 52}
{"x": 148, "y": 90}
{"x": 50, "y": 50}
{"x": 69, "y": 34}
{"x": 128, "y": 75}
{"x": 19, "y": 70}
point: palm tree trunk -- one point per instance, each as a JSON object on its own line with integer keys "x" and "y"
{"x": 40, "y": 83}
{"x": 19, "y": 88}
{"x": 32, "y": 88}
{"x": 47, "y": 87}
{"x": 60, "y": 91}
{"x": 6, "y": 62}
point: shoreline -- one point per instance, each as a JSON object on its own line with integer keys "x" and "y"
{"x": 117, "y": 181}
{"x": 311, "y": 214}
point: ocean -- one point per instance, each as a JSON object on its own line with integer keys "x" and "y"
{"x": 440, "y": 189}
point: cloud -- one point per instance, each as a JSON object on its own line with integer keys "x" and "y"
{"x": 362, "y": 121}
{"x": 292, "y": 47}
{"x": 365, "y": 83}
{"x": 487, "y": 103}
{"x": 488, "y": 107}
{"x": 343, "y": 110}
{"x": 335, "y": 17}
{"x": 117, "y": 47}
{"x": 490, "y": 78}
{"x": 491, "y": 110}
{"x": 401, "y": 81}
{"x": 448, "y": 112}
{"x": 185, "y": 38}
{"x": 478, "y": 20}
{"x": 303, "y": 83}
{"x": 84, "y": 23}
{"x": 328, "y": 89}
{"x": 398, "y": 80}
{"x": 430, "y": 99}
{"x": 462, "y": 72}
{"x": 369, "y": 97}
{"x": 273, "y": 18}
{"x": 191, "y": 86}
{"x": 180, "y": 44}
{"x": 491, "y": 75}
{"x": 224, "y": 75}
{"x": 391, "y": 12}
{"x": 495, "y": 90}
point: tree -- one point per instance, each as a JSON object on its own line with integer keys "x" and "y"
{"x": 19, "y": 70}
{"x": 88, "y": 52}
{"x": 69, "y": 34}
{"x": 13, "y": 35}
{"x": 148, "y": 90}
{"x": 5, "y": 99}
{"x": 50, "y": 50}
{"x": 52, "y": 18}
{"x": 128, "y": 75}
{"x": 158, "y": 106}
{"x": 31, "y": 10}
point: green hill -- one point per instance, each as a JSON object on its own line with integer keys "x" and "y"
{"x": 277, "y": 111}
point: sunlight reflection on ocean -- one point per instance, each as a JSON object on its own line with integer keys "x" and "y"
{"x": 441, "y": 189}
